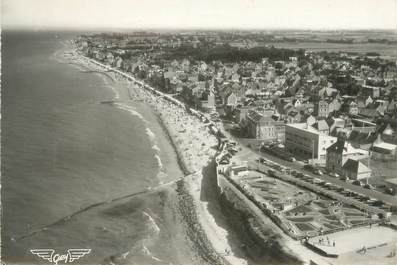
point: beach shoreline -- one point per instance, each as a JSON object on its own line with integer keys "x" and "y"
{"x": 213, "y": 236}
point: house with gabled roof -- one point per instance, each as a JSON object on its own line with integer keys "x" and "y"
{"x": 339, "y": 153}
{"x": 231, "y": 100}
{"x": 356, "y": 170}
{"x": 264, "y": 127}
{"x": 382, "y": 150}
{"x": 321, "y": 126}
{"x": 334, "y": 105}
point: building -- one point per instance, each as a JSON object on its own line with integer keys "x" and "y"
{"x": 264, "y": 127}
{"x": 353, "y": 108}
{"x": 382, "y": 150}
{"x": 371, "y": 91}
{"x": 334, "y": 160}
{"x": 307, "y": 142}
{"x": 321, "y": 108}
{"x": 211, "y": 101}
{"x": 321, "y": 126}
{"x": 339, "y": 152}
{"x": 355, "y": 170}
{"x": 231, "y": 100}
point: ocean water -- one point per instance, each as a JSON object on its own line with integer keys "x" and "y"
{"x": 68, "y": 161}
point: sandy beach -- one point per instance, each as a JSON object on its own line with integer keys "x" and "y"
{"x": 195, "y": 147}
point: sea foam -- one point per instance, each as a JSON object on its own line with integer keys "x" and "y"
{"x": 152, "y": 138}
{"x": 151, "y": 223}
{"x": 147, "y": 252}
{"x": 131, "y": 110}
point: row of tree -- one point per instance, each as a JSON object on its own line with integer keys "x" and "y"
{"x": 226, "y": 53}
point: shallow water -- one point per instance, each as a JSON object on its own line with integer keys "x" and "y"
{"x": 64, "y": 151}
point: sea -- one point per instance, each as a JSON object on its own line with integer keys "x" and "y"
{"x": 79, "y": 174}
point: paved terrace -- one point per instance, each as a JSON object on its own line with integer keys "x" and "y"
{"x": 355, "y": 239}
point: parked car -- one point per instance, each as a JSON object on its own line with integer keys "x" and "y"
{"x": 322, "y": 183}
{"x": 378, "y": 203}
{"x": 318, "y": 172}
{"x": 369, "y": 186}
{"x": 363, "y": 198}
{"x": 317, "y": 181}
{"x": 333, "y": 174}
{"x": 308, "y": 167}
{"x": 272, "y": 173}
{"x": 390, "y": 191}
{"x": 343, "y": 178}
{"x": 290, "y": 159}
{"x": 357, "y": 183}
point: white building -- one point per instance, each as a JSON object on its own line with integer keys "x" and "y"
{"x": 307, "y": 142}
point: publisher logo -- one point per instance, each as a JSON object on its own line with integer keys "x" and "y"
{"x": 70, "y": 256}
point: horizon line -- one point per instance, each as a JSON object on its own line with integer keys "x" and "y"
{"x": 159, "y": 28}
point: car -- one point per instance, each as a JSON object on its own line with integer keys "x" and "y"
{"x": 390, "y": 191}
{"x": 346, "y": 192}
{"x": 318, "y": 172}
{"x": 334, "y": 187}
{"x": 378, "y": 203}
{"x": 363, "y": 198}
{"x": 316, "y": 180}
{"x": 343, "y": 178}
{"x": 369, "y": 186}
{"x": 355, "y": 195}
{"x": 290, "y": 159}
{"x": 357, "y": 183}
{"x": 282, "y": 169}
{"x": 333, "y": 174}
{"x": 322, "y": 183}
{"x": 308, "y": 167}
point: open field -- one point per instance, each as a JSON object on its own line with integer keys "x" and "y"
{"x": 387, "y": 51}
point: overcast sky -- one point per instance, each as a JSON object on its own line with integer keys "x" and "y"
{"x": 264, "y": 14}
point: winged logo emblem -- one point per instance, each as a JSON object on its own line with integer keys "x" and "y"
{"x": 70, "y": 256}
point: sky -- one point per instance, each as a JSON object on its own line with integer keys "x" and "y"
{"x": 203, "y": 14}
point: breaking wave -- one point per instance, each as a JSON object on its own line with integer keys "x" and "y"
{"x": 131, "y": 110}
{"x": 156, "y": 148}
{"x": 152, "y": 138}
{"x": 159, "y": 163}
{"x": 147, "y": 252}
{"x": 152, "y": 225}
{"x": 151, "y": 135}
